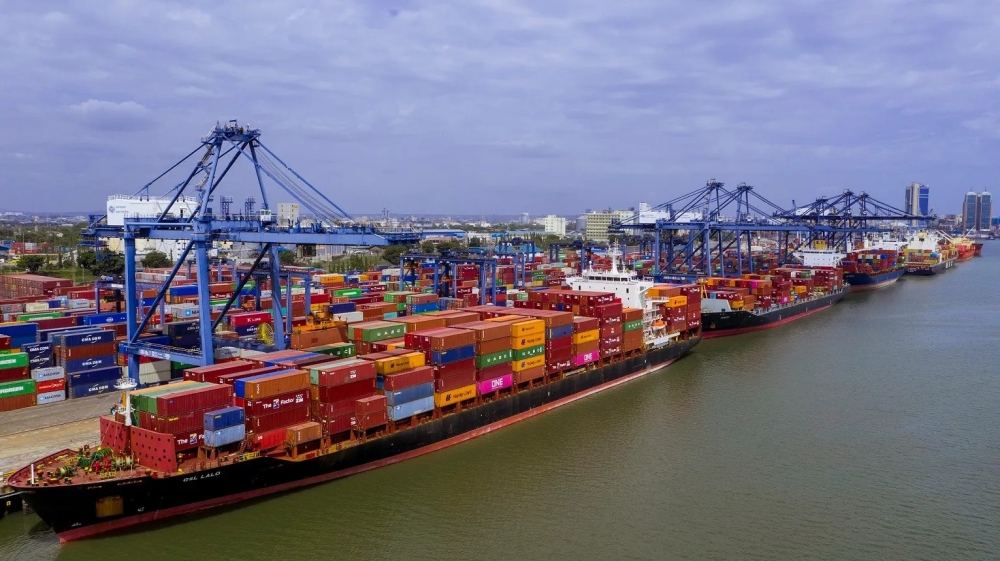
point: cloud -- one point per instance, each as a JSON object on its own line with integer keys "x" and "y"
{"x": 609, "y": 101}
{"x": 111, "y": 116}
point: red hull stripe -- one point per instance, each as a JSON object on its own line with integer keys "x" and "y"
{"x": 773, "y": 324}
{"x": 103, "y": 527}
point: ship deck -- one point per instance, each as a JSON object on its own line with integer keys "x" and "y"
{"x": 30, "y": 433}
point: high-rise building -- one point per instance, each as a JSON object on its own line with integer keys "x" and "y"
{"x": 984, "y": 215}
{"x": 918, "y": 198}
{"x": 599, "y": 222}
{"x": 555, "y": 225}
{"x": 970, "y": 211}
{"x": 288, "y": 213}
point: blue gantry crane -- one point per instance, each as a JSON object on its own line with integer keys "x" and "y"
{"x": 201, "y": 230}
{"x": 839, "y": 221}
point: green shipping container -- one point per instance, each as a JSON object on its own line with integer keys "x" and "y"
{"x": 493, "y": 359}
{"x": 146, "y": 401}
{"x": 13, "y": 360}
{"x": 348, "y": 292}
{"x": 339, "y": 350}
{"x": 521, "y": 354}
{"x": 40, "y": 315}
{"x": 380, "y": 333}
{"x": 14, "y": 389}
{"x": 632, "y": 325}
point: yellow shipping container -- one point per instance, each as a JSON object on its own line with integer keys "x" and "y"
{"x": 455, "y": 396}
{"x": 528, "y": 363}
{"x": 393, "y": 364}
{"x": 677, "y": 302}
{"x": 528, "y": 327}
{"x": 417, "y": 359}
{"x": 504, "y": 318}
{"x": 527, "y": 341}
{"x": 402, "y": 345}
{"x": 799, "y": 289}
{"x": 586, "y": 336}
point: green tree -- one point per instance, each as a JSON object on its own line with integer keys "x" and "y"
{"x": 156, "y": 260}
{"x": 427, "y": 247}
{"x": 287, "y": 258}
{"x": 109, "y": 265}
{"x": 393, "y": 252}
{"x": 32, "y": 263}
{"x": 86, "y": 258}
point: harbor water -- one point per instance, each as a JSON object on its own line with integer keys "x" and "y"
{"x": 867, "y": 431}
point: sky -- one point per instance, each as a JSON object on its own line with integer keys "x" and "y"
{"x": 505, "y": 106}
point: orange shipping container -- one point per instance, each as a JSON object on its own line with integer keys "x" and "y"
{"x": 303, "y": 432}
{"x": 283, "y": 383}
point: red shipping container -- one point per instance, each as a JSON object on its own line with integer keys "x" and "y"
{"x": 610, "y": 331}
{"x": 50, "y": 386}
{"x": 188, "y": 440}
{"x": 87, "y": 351}
{"x": 336, "y": 409}
{"x": 559, "y": 343}
{"x": 344, "y": 423}
{"x": 54, "y": 323}
{"x": 212, "y": 372}
{"x": 408, "y": 378}
{"x": 278, "y": 419}
{"x": 352, "y": 390}
{"x": 618, "y": 319}
{"x": 243, "y": 319}
{"x": 455, "y": 368}
{"x": 581, "y": 324}
{"x": 372, "y": 420}
{"x": 558, "y": 355}
{"x": 495, "y": 371}
{"x": 368, "y": 405}
{"x": 455, "y": 381}
{"x": 14, "y": 374}
{"x": 529, "y": 374}
{"x": 4, "y": 342}
{"x": 192, "y": 421}
{"x": 217, "y": 396}
{"x": 346, "y": 373}
{"x": 494, "y": 345}
{"x": 558, "y": 366}
{"x": 611, "y": 351}
{"x": 269, "y": 439}
{"x": 441, "y": 339}
{"x": 611, "y": 342}
{"x": 17, "y": 402}
{"x": 266, "y": 405}
{"x": 230, "y": 379}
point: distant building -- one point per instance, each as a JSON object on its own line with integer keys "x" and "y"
{"x": 288, "y": 213}
{"x": 985, "y": 212}
{"x": 555, "y": 225}
{"x": 977, "y": 211}
{"x": 599, "y": 222}
{"x": 917, "y": 200}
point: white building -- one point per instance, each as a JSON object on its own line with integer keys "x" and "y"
{"x": 555, "y": 225}
{"x": 599, "y": 222}
{"x": 288, "y": 214}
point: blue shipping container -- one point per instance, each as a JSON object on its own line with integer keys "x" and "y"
{"x": 453, "y": 355}
{"x": 48, "y": 334}
{"x": 228, "y": 435}
{"x": 239, "y": 388}
{"x": 84, "y": 390}
{"x": 424, "y": 308}
{"x": 412, "y": 393}
{"x": 180, "y": 328}
{"x": 158, "y": 340}
{"x": 222, "y": 418}
{"x": 98, "y": 319}
{"x": 96, "y": 375}
{"x": 14, "y": 330}
{"x": 411, "y": 408}
{"x": 559, "y": 332}
{"x": 343, "y": 308}
{"x": 184, "y": 290}
{"x": 246, "y": 330}
{"x": 81, "y": 364}
{"x": 37, "y": 349}
{"x": 91, "y": 338}
{"x": 44, "y": 361}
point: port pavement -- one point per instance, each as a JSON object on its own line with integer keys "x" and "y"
{"x": 33, "y": 432}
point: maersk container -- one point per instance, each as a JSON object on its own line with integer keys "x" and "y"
{"x": 227, "y": 435}
{"x": 411, "y": 408}
{"x": 51, "y": 397}
{"x": 452, "y": 355}
{"x": 412, "y": 393}
{"x": 226, "y": 417}
{"x": 50, "y": 373}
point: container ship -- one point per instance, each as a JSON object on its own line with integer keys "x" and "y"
{"x": 392, "y": 389}
{"x": 875, "y": 267}
{"x": 966, "y": 248}
{"x": 928, "y": 253}
{"x": 756, "y": 302}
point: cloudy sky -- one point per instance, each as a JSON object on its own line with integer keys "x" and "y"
{"x": 483, "y": 106}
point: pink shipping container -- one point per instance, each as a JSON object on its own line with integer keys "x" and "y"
{"x": 489, "y": 386}
{"x": 586, "y": 358}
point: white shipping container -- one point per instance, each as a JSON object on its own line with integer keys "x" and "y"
{"x": 250, "y": 353}
{"x": 51, "y": 397}
{"x": 154, "y": 377}
{"x": 46, "y": 374}
{"x": 349, "y": 317}
{"x": 227, "y": 352}
{"x": 155, "y": 367}
{"x": 79, "y": 303}
{"x": 36, "y": 307}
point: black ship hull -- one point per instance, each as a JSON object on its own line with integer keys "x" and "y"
{"x": 71, "y": 510}
{"x": 922, "y": 270}
{"x": 724, "y": 324}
